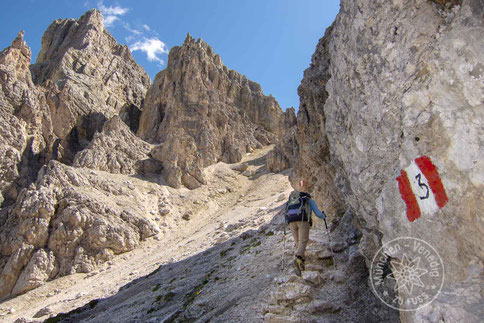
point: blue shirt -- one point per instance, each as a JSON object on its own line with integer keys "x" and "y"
{"x": 313, "y": 207}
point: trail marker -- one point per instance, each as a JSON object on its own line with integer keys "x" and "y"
{"x": 421, "y": 188}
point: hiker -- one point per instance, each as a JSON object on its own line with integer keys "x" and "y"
{"x": 298, "y": 215}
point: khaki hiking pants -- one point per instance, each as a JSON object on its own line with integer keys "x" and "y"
{"x": 300, "y": 232}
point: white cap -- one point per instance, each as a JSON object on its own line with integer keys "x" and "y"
{"x": 302, "y": 185}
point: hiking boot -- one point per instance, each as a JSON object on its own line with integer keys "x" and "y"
{"x": 298, "y": 265}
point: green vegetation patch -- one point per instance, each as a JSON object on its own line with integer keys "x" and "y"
{"x": 190, "y": 297}
{"x": 156, "y": 287}
{"x": 328, "y": 262}
{"x": 63, "y": 316}
{"x": 169, "y": 296}
{"x": 253, "y": 244}
{"x": 224, "y": 252}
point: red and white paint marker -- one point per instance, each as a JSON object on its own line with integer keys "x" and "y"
{"x": 421, "y": 188}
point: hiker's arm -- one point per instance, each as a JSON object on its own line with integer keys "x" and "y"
{"x": 315, "y": 209}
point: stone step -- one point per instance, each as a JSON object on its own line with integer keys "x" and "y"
{"x": 310, "y": 254}
{"x": 318, "y": 254}
{"x": 320, "y": 307}
{"x": 313, "y": 277}
{"x": 274, "y": 318}
{"x": 292, "y": 292}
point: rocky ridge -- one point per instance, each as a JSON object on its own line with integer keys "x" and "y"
{"x": 117, "y": 150}
{"x": 89, "y": 78}
{"x": 25, "y": 122}
{"x": 199, "y": 112}
{"x": 39, "y": 124}
{"x": 80, "y": 104}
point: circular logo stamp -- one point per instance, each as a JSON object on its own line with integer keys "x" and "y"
{"x": 406, "y": 274}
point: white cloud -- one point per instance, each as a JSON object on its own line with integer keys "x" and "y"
{"x": 111, "y": 14}
{"x": 153, "y": 47}
{"x": 131, "y": 30}
{"x": 112, "y": 11}
{"x": 109, "y": 20}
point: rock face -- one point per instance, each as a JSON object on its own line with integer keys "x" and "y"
{"x": 199, "y": 112}
{"x": 70, "y": 220}
{"x": 51, "y": 226}
{"x": 304, "y": 145}
{"x": 284, "y": 154}
{"x": 89, "y": 78}
{"x": 389, "y": 83}
{"x": 25, "y": 127}
{"x": 390, "y": 126}
{"x": 80, "y": 103}
{"x": 117, "y": 150}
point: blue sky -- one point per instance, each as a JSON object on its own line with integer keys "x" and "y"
{"x": 269, "y": 41}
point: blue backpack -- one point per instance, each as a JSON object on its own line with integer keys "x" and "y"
{"x": 297, "y": 207}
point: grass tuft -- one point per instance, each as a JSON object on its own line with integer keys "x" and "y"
{"x": 156, "y": 287}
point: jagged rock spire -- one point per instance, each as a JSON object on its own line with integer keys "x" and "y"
{"x": 87, "y": 71}
{"x": 202, "y": 113}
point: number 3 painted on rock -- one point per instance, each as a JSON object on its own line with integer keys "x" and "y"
{"x": 411, "y": 183}
{"x": 419, "y": 178}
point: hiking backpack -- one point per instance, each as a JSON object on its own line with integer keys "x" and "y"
{"x": 297, "y": 207}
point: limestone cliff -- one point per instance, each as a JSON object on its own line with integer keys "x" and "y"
{"x": 389, "y": 132}
{"x": 284, "y": 154}
{"x": 25, "y": 126}
{"x": 117, "y": 150}
{"x": 89, "y": 78}
{"x": 50, "y": 110}
{"x": 69, "y": 221}
{"x": 200, "y": 112}
{"x": 391, "y": 84}
{"x": 80, "y": 103}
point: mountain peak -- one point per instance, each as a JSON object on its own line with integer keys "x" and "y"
{"x": 93, "y": 17}
{"x": 19, "y": 43}
{"x": 188, "y": 39}
{"x": 212, "y": 114}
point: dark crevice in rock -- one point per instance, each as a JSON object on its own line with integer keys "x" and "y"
{"x": 130, "y": 115}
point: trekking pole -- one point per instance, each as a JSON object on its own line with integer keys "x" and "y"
{"x": 330, "y": 246}
{"x": 283, "y": 244}
{"x": 283, "y": 249}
